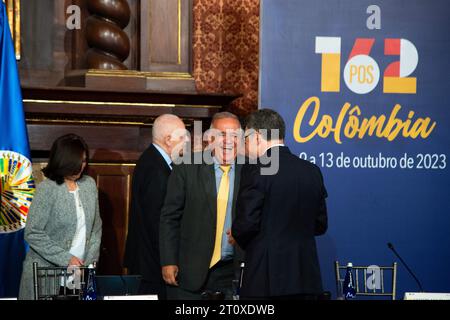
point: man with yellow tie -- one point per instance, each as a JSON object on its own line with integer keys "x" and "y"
{"x": 198, "y": 257}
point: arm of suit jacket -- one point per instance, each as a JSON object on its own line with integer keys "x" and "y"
{"x": 35, "y": 233}
{"x": 93, "y": 250}
{"x": 249, "y": 205}
{"x": 321, "y": 216}
{"x": 171, "y": 214}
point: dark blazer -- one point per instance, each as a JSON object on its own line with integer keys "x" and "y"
{"x": 148, "y": 192}
{"x": 277, "y": 219}
{"x": 188, "y": 222}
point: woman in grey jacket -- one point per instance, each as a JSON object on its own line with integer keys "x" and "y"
{"x": 63, "y": 227}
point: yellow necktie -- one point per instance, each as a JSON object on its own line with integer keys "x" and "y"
{"x": 222, "y": 201}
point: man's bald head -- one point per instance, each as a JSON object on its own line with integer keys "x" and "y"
{"x": 164, "y": 125}
{"x": 168, "y": 132}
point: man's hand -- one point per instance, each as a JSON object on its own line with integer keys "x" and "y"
{"x": 230, "y": 238}
{"x": 74, "y": 261}
{"x": 170, "y": 274}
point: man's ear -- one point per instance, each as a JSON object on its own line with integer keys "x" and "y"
{"x": 167, "y": 140}
{"x": 210, "y": 138}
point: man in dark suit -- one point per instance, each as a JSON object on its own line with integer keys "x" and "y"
{"x": 197, "y": 258}
{"x": 148, "y": 192}
{"x": 279, "y": 213}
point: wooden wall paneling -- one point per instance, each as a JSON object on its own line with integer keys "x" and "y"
{"x": 163, "y": 25}
{"x": 113, "y": 105}
{"x": 100, "y": 139}
{"x": 43, "y": 51}
{"x": 114, "y": 185}
{"x": 166, "y": 35}
{"x": 166, "y": 44}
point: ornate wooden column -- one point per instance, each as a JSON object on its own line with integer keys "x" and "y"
{"x": 108, "y": 44}
{"x": 163, "y": 45}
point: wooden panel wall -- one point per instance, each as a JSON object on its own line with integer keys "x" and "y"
{"x": 114, "y": 184}
{"x": 167, "y": 23}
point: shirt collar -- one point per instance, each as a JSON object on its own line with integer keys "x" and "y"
{"x": 217, "y": 164}
{"x": 164, "y": 155}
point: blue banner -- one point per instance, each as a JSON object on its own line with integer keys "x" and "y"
{"x": 16, "y": 182}
{"x": 363, "y": 87}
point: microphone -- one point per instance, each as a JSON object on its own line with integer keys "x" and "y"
{"x": 390, "y": 246}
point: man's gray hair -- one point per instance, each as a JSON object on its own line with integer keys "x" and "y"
{"x": 224, "y": 115}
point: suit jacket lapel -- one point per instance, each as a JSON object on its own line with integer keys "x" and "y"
{"x": 209, "y": 183}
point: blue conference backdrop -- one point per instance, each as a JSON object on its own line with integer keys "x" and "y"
{"x": 364, "y": 87}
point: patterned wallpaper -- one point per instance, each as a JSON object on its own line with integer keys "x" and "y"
{"x": 226, "y": 46}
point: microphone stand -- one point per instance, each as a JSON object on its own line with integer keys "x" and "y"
{"x": 390, "y": 246}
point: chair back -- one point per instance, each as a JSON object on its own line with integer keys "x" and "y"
{"x": 370, "y": 281}
{"x": 59, "y": 283}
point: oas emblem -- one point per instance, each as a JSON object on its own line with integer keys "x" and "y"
{"x": 16, "y": 190}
